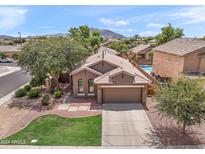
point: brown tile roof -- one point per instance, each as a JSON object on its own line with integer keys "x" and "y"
{"x": 85, "y": 68}
{"x": 107, "y": 50}
{"x": 123, "y": 65}
{"x": 181, "y": 46}
{"x": 141, "y": 49}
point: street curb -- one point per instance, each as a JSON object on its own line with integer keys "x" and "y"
{"x": 101, "y": 147}
{"x": 6, "y": 98}
{"x": 11, "y": 70}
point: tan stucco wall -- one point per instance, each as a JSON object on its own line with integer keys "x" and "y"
{"x": 202, "y": 65}
{"x": 99, "y": 94}
{"x": 85, "y": 76}
{"x": 191, "y": 63}
{"x": 103, "y": 67}
{"x": 122, "y": 79}
{"x": 167, "y": 65}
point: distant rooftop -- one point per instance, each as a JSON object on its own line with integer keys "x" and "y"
{"x": 181, "y": 46}
{"x": 107, "y": 50}
{"x": 10, "y": 48}
{"x": 141, "y": 49}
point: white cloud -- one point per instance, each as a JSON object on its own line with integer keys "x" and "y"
{"x": 109, "y": 22}
{"x": 11, "y": 17}
{"x": 148, "y": 33}
{"x": 154, "y": 25}
{"x": 191, "y": 15}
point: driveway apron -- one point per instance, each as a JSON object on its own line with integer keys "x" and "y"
{"x": 125, "y": 125}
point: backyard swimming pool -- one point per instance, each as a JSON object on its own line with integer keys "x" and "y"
{"x": 147, "y": 68}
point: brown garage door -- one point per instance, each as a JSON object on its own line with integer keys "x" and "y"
{"x": 122, "y": 95}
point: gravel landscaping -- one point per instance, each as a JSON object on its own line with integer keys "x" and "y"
{"x": 169, "y": 132}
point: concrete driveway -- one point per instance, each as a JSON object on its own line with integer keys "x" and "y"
{"x": 125, "y": 125}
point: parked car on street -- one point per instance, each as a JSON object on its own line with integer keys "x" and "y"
{"x": 6, "y": 60}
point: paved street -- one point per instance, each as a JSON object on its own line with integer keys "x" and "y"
{"x": 125, "y": 125}
{"x": 8, "y": 64}
{"x": 10, "y": 82}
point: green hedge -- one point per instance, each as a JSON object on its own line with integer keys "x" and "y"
{"x": 45, "y": 100}
{"x": 20, "y": 93}
{"x": 27, "y": 88}
{"x": 33, "y": 93}
{"x": 57, "y": 94}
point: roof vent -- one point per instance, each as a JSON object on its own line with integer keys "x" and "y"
{"x": 103, "y": 54}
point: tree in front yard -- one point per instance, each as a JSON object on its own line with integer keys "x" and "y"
{"x": 47, "y": 58}
{"x": 182, "y": 100}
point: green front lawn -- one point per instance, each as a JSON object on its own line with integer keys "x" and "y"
{"x": 55, "y": 130}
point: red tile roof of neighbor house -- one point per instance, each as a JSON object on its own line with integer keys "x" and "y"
{"x": 181, "y": 46}
{"x": 122, "y": 65}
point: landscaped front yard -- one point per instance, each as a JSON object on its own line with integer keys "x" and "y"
{"x": 169, "y": 132}
{"x": 59, "y": 131}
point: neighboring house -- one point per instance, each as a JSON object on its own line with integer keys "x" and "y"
{"x": 9, "y": 50}
{"x": 182, "y": 55}
{"x": 108, "y": 50}
{"x": 142, "y": 53}
{"x": 110, "y": 79}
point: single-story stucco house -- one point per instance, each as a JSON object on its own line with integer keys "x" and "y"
{"x": 142, "y": 53}
{"x": 182, "y": 55}
{"x": 110, "y": 79}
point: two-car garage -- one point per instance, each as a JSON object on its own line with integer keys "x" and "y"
{"x": 122, "y": 94}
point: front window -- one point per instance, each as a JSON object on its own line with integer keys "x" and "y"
{"x": 90, "y": 86}
{"x": 80, "y": 86}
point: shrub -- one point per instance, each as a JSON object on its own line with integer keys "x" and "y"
{"x": 57, "y": 94}
{"x": 45, "y": 100}
{"x": 2, "y": 55}
{"x": 33, "y": 93}
{"x": 20, "y": 93}
{"x": 27, "y": 88}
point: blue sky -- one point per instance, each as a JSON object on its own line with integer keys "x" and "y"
{"x": 126, "y": 20}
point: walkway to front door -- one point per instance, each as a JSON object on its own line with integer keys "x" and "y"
{"x": 125, "y": 125}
